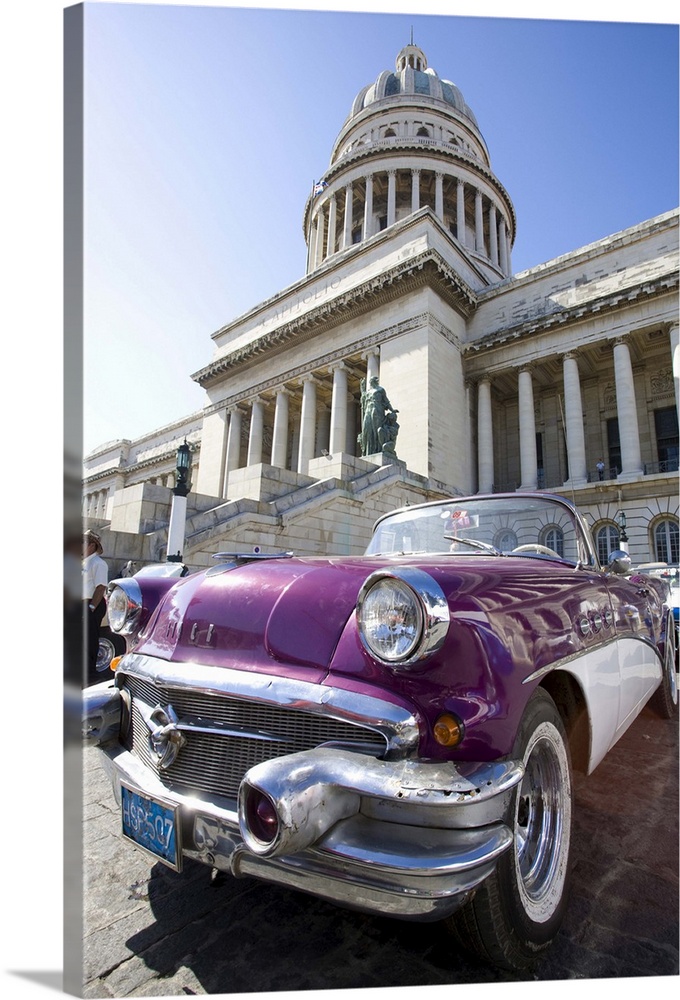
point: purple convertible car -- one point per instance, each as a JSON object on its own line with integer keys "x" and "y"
{"x": 393, "y": 732}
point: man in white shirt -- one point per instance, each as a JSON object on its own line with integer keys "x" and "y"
{"x": 95, "y": 579}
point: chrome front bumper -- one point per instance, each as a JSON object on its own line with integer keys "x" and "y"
{"x": 406, "y": 838}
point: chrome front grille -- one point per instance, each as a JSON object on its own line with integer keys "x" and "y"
{"x": 215, "y": 762}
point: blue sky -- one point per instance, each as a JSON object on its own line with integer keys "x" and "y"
{"x": 206, "y": 126}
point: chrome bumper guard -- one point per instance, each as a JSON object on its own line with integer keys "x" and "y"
{"x": 405, "y": 838}
{"x": 101, "y": 713}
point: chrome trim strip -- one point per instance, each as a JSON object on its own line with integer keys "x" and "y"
{"x": 396, "y": 724}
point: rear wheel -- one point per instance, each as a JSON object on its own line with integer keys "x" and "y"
{"x": 665, "y": 698}
{"x": 517, "y": 911}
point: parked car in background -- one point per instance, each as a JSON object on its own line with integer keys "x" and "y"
{"x": 393, "y": 732}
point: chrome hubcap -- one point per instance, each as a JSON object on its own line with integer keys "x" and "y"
{"x": 539, "y": 820}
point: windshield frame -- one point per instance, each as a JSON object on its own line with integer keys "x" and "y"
{"x": 587, "y": 556}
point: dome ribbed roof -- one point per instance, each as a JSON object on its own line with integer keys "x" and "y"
{"x": 411, "y": 78}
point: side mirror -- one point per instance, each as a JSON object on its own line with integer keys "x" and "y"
{"x": 619, "y": 562}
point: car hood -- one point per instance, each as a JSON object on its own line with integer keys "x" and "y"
{"x": 268, "y": 614}
{"x": 275, "y": 614}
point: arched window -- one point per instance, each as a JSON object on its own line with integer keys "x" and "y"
{"x": 390, "y": 133}
{"x": 666, "y": 547}
{"x": 553, "y": 537}
{"x": 423, "y": 131}
{"x": 607, "y": 541}
{"x": 506, "y": 541}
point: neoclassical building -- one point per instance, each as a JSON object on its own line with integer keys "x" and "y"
{"x": 560, "y": 377}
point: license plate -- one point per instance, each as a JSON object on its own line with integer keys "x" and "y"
{"x": 152, "y": 824}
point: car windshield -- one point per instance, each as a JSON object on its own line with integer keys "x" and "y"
{"x": 537, "y": 527}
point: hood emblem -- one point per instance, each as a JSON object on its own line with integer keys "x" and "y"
{"x": 165, "y": 737}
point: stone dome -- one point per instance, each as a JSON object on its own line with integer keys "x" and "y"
{"x": 410, "y": 142}
{"x": 411, "y": 77}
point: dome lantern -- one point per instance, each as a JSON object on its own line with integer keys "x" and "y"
{"x": 412, "y": 57}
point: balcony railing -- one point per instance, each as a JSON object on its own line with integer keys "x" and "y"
{"x": 654, "y": 468}
{"x": 602, "y": 475}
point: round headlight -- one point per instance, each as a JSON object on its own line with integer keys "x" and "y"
{"x": 390, "y": 618}
{"x": 402, "y": 615}
{"x": 123, "y": 605}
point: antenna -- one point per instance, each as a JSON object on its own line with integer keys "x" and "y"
{"x": 411, "y": 34}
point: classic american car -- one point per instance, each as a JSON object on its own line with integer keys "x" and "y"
{"x": 393, "y": 732}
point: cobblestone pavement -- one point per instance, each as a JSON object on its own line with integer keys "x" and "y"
{"x": 151, "y": 932}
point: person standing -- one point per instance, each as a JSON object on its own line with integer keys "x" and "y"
{"x": 600, "y": 469}
{"x": 95, "y": 579}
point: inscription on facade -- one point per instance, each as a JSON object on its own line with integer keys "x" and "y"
{"x": 294, "y": 306}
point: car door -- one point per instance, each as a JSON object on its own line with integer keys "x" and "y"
{"x": 636, "y": 610}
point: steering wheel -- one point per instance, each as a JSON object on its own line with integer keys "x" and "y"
{"x": 534, "y": 547}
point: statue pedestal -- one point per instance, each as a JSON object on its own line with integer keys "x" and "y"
{"x": 381, "y": 459}
{"x": 340, "y": 466}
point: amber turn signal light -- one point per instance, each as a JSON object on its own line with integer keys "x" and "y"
{"x": 114, "y": 662}
{"x": 448, "y": 730}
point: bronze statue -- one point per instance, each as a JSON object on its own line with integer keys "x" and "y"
{"x": 379, "y": 427}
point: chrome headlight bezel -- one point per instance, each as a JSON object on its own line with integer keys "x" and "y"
{"x": 431, "y": 615}
{"x": 124, "y": 605}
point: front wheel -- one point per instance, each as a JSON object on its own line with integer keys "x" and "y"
{"x": 517, "y": 911}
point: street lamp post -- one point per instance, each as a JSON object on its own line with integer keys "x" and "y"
{"x": 178, "y": 510}
{"x": 623, "y": 537}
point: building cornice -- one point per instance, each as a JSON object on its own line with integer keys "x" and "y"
{"x": 332, "y": 358}
{"x": 644, "y": 290}
{"x": 155, "y": 460}
{"x": 427, "y": 267}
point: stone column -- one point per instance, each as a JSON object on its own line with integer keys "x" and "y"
{"x": 391, "y": 197}
{"x": 415, "y": 190}
{"x": 338, "y": 435}
{"x": 310, "y": 246}
{"x": 368, "y": 207}
{"x": 479, "y": 223}
{"x": 322, "y": 437}
{"x": 332, "y": 223}
{"x": 469, "y": 434}
{"x": 372, "y": 365}
{"x": 233, "y": 443}
{"x": 347, "y": 230}
{"x": 484, "y": 437}
{"x": 493, "y": 234}
{"x": 503, "y": 244}
{"x": 573, "y": 417}
{"x": 460, "y": 212}
{"x": 508, "y": 252}
{"x": 307, "y": 424}
{"x": 528, "y": 459}
{"x": 280, "y": 438}
{"x": 255, "y": 437}
{"x": 626, "y": 410}
{"x": 352, "y": 428}
{"x": 439, "y": 195}
{"x": 318, "y": 251}
{"x": 675, "y": 360}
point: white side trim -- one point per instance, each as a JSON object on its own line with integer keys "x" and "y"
{"x": 617, "y": 680}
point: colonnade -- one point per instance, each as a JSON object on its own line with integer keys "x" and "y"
{"x": 338, "y": 430}
{"x": 339, "y": 218}
{"x": 94, "y": 504}
{"x": 572, "y": 419}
